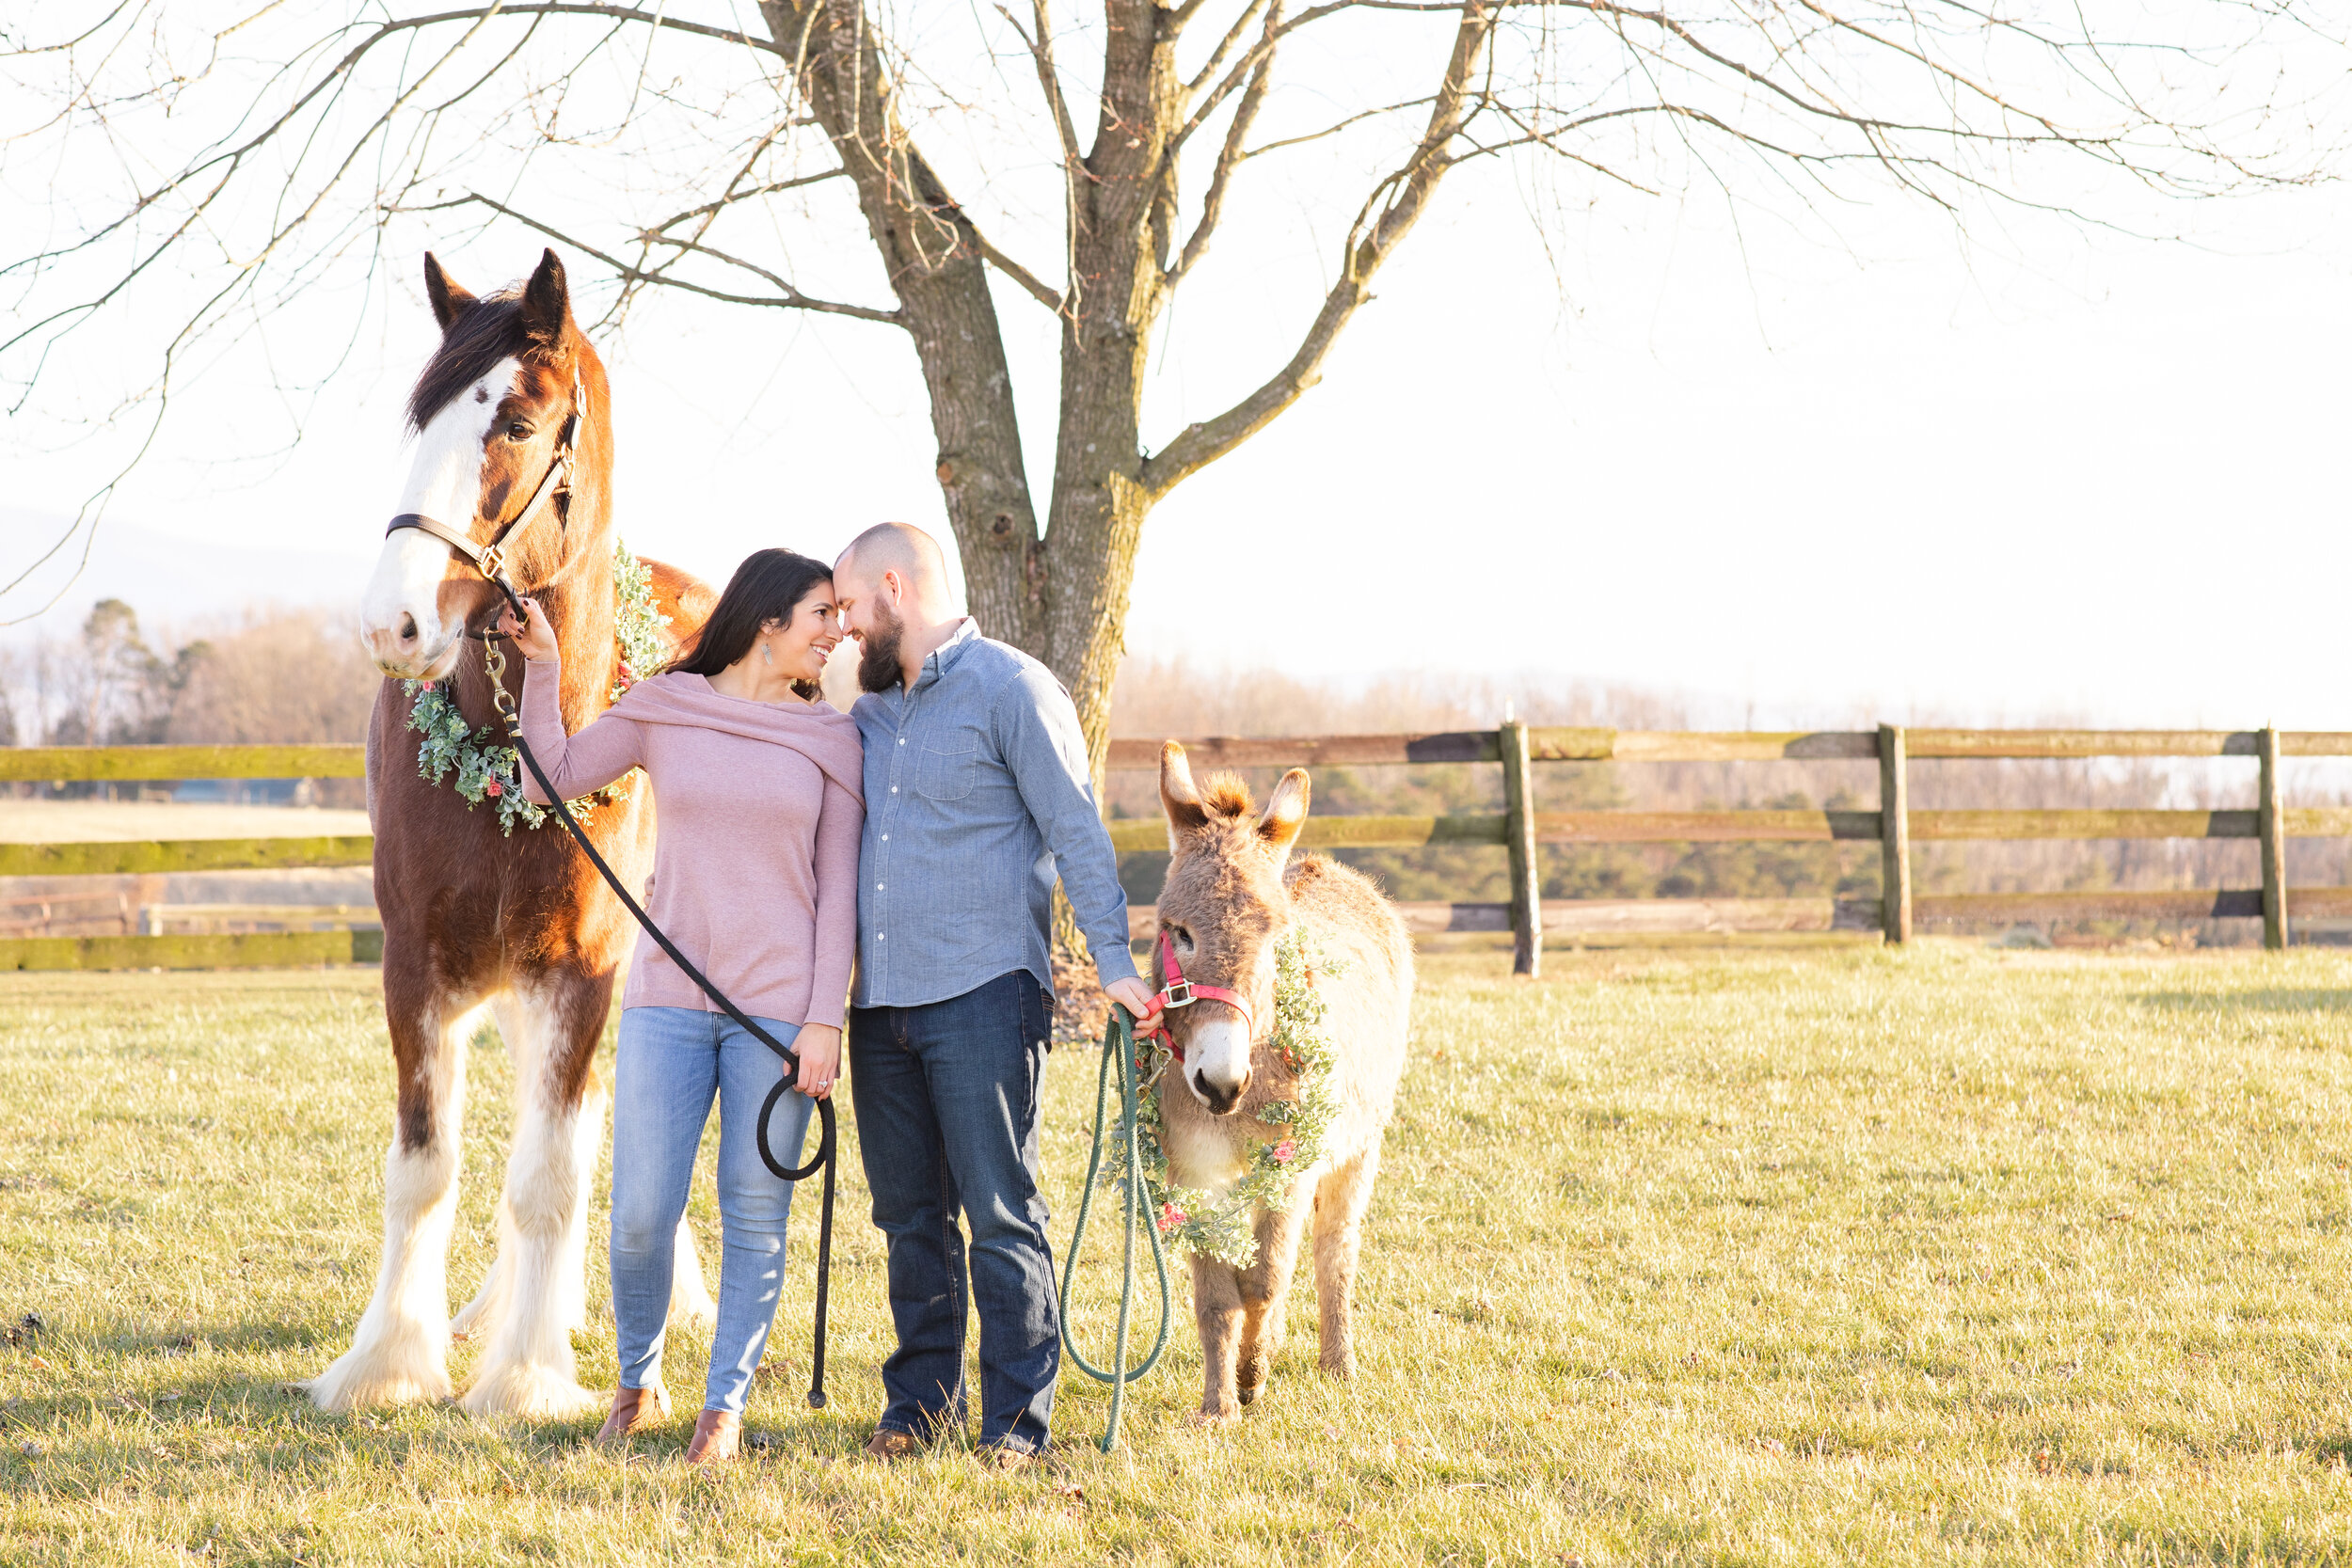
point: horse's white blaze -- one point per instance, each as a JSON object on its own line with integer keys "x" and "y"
{"x": 1218, "y": 1056}
{"x": 400, "y": 617}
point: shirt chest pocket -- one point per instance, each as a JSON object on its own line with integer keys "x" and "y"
{"x": 948, "y": 766}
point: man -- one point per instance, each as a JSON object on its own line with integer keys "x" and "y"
{"x": 977, "y": 792}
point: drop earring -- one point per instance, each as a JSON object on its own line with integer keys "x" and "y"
{"x": 766, "y": 654}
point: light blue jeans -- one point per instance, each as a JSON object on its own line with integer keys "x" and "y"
{"x": 671, "y": 1061}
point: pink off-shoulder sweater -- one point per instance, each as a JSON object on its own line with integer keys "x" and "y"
{"x": 760, "y": 806}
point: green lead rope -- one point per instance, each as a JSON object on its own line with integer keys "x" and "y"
{"x": 1119, "y": 1047}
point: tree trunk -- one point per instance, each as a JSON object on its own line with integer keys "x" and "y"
{"x": 934, "y": 263}
{"x": 1062, "y": 595}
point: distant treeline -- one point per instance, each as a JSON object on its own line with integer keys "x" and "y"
{"x": 1158, "y": 697}
{"x": 299, "y": 674}
{"x": 269, "y": 675}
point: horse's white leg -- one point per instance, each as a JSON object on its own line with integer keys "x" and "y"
{"x": 689, "y": 1297}
{"x": 400, "y": 1352}
{"x": 571, "y": 1271}
{"x": 480, "y": 1315}
{"x": 527, "y": 1367}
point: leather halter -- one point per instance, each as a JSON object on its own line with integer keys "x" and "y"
{"x": 490, "y": 559}
{"x": 1178, "y": 991}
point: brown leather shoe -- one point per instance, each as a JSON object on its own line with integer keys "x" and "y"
{"x": 718, "y": 1435}
{"x": 635, "y": 1410}
{"x": 888, "y": 1444}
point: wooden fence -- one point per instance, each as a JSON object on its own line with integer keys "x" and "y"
{"x": 1519, "y": 829}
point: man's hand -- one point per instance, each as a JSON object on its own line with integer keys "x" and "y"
{"x": 1134, "y": 995}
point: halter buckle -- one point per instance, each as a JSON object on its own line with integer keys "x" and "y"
{"x": 1177, "y": 993}
{"x": 493, "y": 562}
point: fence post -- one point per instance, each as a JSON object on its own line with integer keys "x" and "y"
{"x": 1894, "y": 835}
{"x": 1518, "y": 795}
{"x": 2274, "y": 843}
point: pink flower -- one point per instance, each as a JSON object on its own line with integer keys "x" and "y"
{"x": 627, "y": 674}
{"x": 1171, "y": 1217}
{"x": 1284, "y": 1150}
{"x": 494, "y": 790}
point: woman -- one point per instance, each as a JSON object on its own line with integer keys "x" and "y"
{"x": 755, "y": 880}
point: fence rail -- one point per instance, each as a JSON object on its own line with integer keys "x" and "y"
{"x": 1519, "y": 829}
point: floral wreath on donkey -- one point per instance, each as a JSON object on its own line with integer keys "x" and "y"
{"x": 488, "y": 770}
{"x": 1224, "y": 1227}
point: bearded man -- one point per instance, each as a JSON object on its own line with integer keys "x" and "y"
{"x": 978, "y": 792}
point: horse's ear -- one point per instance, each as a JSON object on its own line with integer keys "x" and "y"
{"x": 1180, "y": 798}
{"x": 1285, "y": 814}
{"x": 547, "y": 302}
{"x": 450, "y": 298}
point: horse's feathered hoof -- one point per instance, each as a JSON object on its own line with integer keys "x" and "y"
{"x": 400, "y": 1369}
{"x": 534, "y": 1393}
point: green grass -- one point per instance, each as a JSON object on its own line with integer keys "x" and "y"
{"x": 1938, "y": 1255}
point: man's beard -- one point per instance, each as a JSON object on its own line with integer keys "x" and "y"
{"x": 877, "y": 651}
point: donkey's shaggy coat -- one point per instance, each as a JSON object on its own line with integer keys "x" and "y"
{"x": 1231, "y": 892}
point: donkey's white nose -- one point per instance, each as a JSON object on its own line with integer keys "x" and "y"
{"x": 1219, "y": 1056}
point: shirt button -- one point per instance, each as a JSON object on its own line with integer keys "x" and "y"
{"x": 880, "y": 935}
{"x": 885, "y": 838}
{"x": 878, "y": 887}
{"x": 902, "y": 740}
{"x": 893, "y": 789}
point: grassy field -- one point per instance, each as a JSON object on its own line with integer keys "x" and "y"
{"x": 1939, "y": 1256}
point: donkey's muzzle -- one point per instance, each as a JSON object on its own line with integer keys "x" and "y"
{"x": 1221, "y": 1098}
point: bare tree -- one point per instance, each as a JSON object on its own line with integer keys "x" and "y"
{"x": 759, "y": 129}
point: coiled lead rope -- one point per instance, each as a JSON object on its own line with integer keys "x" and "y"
{"x": 1119, "y": 1048}
{"x": 494, "y": 661}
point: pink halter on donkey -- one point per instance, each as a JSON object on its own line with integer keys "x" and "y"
{"x": 1180, "y": 992}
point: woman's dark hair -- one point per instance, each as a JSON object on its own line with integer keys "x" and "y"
{"x": 768, "y": 586}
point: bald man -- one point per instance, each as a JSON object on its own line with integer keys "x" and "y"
{"x": 978, "y": 792}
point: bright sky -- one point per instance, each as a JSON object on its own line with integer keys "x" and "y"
{"x": 2017, "y": 475}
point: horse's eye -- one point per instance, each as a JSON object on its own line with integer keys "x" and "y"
{"x": 519, "y": 431}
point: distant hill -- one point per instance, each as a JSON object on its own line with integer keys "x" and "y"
{"x": 166, "y": 576}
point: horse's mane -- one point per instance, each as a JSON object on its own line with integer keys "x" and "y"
{"x": 491, "y": 330}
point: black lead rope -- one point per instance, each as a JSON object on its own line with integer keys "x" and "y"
{"x": 495, "y": 661}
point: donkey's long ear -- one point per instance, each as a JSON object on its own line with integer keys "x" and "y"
{"x": 1180, "y": 798}
{"x": 450, "y": 298}
{"x": 1285, "y": 814}
{"x": 547, "y": 302}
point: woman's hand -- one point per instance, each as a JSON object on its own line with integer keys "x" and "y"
{"x": 536, "y": 638}
{"x": 818, "y": 1046}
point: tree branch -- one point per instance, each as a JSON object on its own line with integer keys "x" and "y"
{"x": 1033, "y": 286}
{"x": 1387, "y": 215}
{"x": 1229, "y": 157}
{"x": 1335, "y": 128}
{"x": 1224, "y": 47}
{"x": 786, "y": 297}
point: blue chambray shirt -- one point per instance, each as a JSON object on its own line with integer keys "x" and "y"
{"x": 976, "y": 788}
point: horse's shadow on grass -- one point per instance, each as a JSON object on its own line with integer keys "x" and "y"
{"x": 2269, "y": 1000}
{"x": 201, "y": 1375}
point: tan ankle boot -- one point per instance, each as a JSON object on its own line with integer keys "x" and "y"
{"x": 635, "y": 1410}
{"x": 718, "y": 1435}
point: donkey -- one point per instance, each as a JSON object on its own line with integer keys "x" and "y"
{"x": 1233, "y": 890}
{"x": 473, "y": 920}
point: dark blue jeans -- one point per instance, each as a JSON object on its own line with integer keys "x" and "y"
{"x": 947, "y": 1098}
